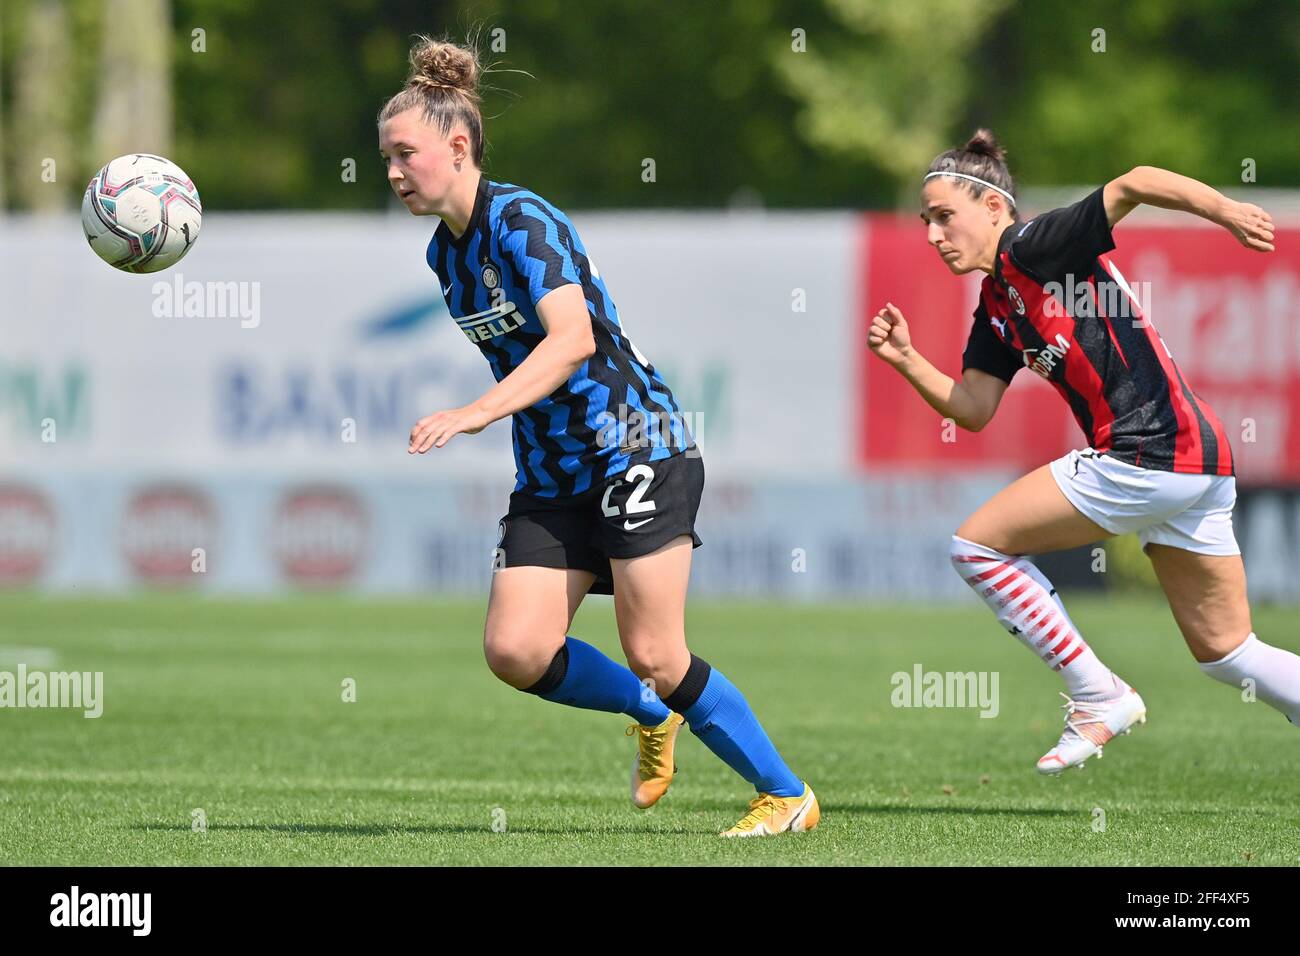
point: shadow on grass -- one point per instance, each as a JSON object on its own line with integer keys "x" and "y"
{"x": 723, "y": 807}
{"x": 955, "y": 809}
{"x": 392, "y": 829}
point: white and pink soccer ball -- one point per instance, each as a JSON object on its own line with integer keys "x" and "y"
{"x": 141, "y": 213}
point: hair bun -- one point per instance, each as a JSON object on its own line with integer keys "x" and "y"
{"x": 438, "y": 64}
{"x": 984, "y": 143}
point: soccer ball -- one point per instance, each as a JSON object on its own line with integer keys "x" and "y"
{"x": 141, "y": 213}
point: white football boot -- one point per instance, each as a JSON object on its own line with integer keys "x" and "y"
{"x": 1089, "y": 726}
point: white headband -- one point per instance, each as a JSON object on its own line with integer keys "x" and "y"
{"x": 975, "y": 179}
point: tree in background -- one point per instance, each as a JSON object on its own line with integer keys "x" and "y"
{"x": 279, "y": 101}
{"x": 893, "y": 81}
{"x": 785, "y": 103}
{"x": 48, "y": 90}
{"x": 43, "y": 109}
{"x": 134, "y": 91}
{"x": 1193, "y": 85}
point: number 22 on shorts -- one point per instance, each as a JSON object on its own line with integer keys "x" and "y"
{"x": 641, "y": 475}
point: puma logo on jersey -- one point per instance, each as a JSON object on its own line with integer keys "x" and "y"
{"x": 1001, "y": 325}
{"x": 491, "y": 323}
{"x": 1042, "y": 361}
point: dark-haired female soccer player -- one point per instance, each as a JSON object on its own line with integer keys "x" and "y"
{"x": 608, "y": 479}
{"x": 1158, "y": 461}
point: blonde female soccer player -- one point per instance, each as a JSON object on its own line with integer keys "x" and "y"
{"x": 1157, "y": 463}
{"x": 608, "y": 478}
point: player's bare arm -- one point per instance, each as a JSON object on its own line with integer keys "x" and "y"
{"x": 1251, "y": 225}
{"x": 568, "y": 343}
{"x": 970, "y": 403}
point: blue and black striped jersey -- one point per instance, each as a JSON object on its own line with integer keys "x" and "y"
{"x": 615, "y": 410}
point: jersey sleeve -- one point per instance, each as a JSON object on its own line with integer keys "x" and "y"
{"x": 535, "y": 243}
{"x": 1064, "y": 240}
{"x": 986, "y": 352}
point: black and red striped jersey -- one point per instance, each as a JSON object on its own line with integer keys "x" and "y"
{"x": 1058, "y": 305}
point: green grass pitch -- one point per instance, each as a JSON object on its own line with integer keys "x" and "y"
{"x": 236, "y": 709}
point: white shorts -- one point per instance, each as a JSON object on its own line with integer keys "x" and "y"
{"x": 1192, "y": 512}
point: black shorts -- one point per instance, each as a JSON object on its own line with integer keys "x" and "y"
{"x": 626, "y": 516}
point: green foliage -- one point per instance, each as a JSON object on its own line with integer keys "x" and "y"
{"x": 892, "y": 86}
{"x": 1191, "y": 86}
{"x": 804, "y": 103}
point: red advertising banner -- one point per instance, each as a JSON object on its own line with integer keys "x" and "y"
{"x": 1229, "y": 316}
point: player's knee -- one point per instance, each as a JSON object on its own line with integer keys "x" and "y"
{"x": 967, "y": 556}
{"x": 959, "y": 553}
{"x": 643, "y": 661}
{"x": 955, "y": 552}
{"x": 515, "y": 658}
{"x": 653, "y": 657}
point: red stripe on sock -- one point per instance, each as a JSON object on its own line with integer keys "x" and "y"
{"x": 1013, "y": 576}
{"x": 985, "y": 575}
{"x": 1074, "y": 654}
{"x": 1032, "y": 614}
{"x": 1007, "y": 599}
{"x": 1050, "y": 634}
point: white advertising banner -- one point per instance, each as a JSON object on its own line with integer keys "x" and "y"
{"x": 238, "y": 423}
{"x": 312, "y": 343}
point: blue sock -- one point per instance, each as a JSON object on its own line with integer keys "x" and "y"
{"x": 721, "y": 717}
{"x": 590, "y": 680}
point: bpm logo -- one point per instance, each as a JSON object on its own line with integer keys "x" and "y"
{"x": 1042, "y": 361}
{"x": 319, "y": 535}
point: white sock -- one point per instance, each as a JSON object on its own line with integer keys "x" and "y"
{"x": 1276, "y": 674}
{"x": 1026, "y": 605}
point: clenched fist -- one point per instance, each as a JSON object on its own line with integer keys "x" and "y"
{"x": 888, "y": 336}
